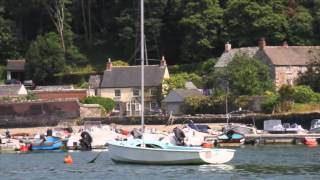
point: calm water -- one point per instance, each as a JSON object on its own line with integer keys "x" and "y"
{"x": 260, "y": 162}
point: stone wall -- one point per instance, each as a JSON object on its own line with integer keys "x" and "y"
{"x": 91, "y": 110}
{"x": 37, "y": 113}
{"x": 303, "y": 119}
{"x": 61, "y": 94}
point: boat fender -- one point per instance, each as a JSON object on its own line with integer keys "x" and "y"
{"x": 68, "y": 159}
{"x": 207, "y": 145}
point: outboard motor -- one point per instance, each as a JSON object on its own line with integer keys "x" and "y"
{"x": 49, "y": 132}
{"x": 230, "y": 133}
{"x": 179, "y": 136}
{"x": 85, "y": 141}
{"x": 136, "y": 133}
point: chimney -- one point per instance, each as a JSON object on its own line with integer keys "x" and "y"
{"x": 227, "y": 47}
{"x": 285, "y": 44}
{"x": 262, "y": 43}
{"x": 163, "y": 62}
{"x": 109, "y": 65}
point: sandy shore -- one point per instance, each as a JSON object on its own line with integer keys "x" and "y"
{"x": 34, "y": 130}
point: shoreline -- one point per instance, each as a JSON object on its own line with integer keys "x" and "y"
{"x": 43, "y": 129}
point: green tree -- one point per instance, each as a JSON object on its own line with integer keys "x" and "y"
{"x": 8, "y": 42}
{"x": 246, "y": 21}
{"x": 202, "y": 23}
{"x": 45, "y": 58}
{"x": 248, "y": 76}
{"x": 107, "y": 103}
{"x": 179, "y": 80}
{"x": 311, "y": 77}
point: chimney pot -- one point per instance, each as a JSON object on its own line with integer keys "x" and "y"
{"x": 109, "y": 65}
{"x": 285, "y": 44}
{"x": 163, "y": 62}
{"x": 227, "y": 47}
{"x": 262, "y": 43}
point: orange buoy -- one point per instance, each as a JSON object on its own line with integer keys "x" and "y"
{"x": 207, "y": 145}
{"x": 68, "y": 159}
{"x": 310, "y": 141}
{"x": 24, "y": 148}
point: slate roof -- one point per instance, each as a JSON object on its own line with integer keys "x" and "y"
{"x": 10, "y": 90}
{"x": 16, "y": 65}
{"x": 278, "y": 55}
{"x": 226, "y": 57}
{"x": 292, "y": 55}
{"x": 130, "y": 76}
{"x": 181, "y": 93}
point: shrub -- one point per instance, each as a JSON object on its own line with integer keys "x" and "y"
{"x": 119, "y": 63}
{"x": 303, "y": 94}
{"x": 270, "y": 103}
{"x": 107, "y": 103}
{"x": 31, "y": 96}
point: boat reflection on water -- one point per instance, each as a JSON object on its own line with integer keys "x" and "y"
{"x": 216, "y": 167}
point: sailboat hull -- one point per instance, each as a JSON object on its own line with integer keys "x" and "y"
{"x": 169, "y": 155}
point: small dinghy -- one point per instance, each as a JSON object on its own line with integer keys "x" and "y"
{"x": 49, "y": 143}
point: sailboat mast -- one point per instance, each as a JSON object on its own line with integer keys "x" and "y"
{"x": 142, "y": 60}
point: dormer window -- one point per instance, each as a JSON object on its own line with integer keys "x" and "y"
{"x": 117, "y": 93}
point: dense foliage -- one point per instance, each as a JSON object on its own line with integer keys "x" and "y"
{"x": 244, "y": 76}
{"x": 107, "y": 103}
{"x": 286, "y": 97}
{"x": 185, "y": 31}
{"x": 45, "y": 58}
{"x": 312, "y": 76}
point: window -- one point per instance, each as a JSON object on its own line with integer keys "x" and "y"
{"x": 153, "y": 91}
{"x": 136, "y": 106}
{"x": 117, "y": 107}
{"x": 117, "y": 93}
{"x": 153, "y": 105}
{"x": 135, "y": 91}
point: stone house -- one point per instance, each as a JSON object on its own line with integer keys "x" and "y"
{"x": 285, "y": 62}
{"x": 174, "y": 101}
{"x": 123, "y": 85}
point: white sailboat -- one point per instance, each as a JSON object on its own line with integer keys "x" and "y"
{"x": 142, "y": 151}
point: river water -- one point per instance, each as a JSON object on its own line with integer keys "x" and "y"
{"x": 250, "y": 162}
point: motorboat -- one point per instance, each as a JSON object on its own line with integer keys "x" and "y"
{"x": 9, "y": 144}
{"x": 242, "y": 128}
{"x": 315, "y": 126}
{"x": 230, "y": 138}
{"x": 93, "y": 135}
{"x": 157, "y": 152}
{"x": 275, "y": 126}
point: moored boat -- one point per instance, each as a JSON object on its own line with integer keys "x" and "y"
{"x": 49, "y": 143}
{"x": 156, "y": 152}
{"x": 315, "y": 126}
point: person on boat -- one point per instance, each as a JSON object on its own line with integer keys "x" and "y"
{"x": 8, "y": 135}
{"x": 42, "y": 139}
